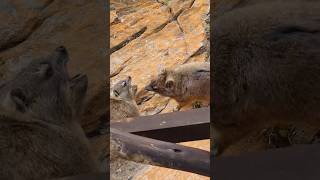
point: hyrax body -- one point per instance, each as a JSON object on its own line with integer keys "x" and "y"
{"x": 40, "y": 137}
{"x": 187, "y": 83}
{"x": 122, "y": 100}
{"x": 266, "y": 68}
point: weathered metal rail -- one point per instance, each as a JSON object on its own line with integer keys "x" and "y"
{"x": 159, "y": 153}
{"x": 171, "y": 127}
{"x": 150, "y": 140}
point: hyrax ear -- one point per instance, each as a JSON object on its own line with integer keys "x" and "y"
{"x": 19, "y": 98}
{"x": 169, "y": 83}
{"x": 128, "y": 80}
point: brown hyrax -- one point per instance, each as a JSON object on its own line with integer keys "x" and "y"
{"x": 122, "y": 100}
{"x": 266, "y": 68}
{"x": 186, "y": 83}
{"x": 40, "y": 137}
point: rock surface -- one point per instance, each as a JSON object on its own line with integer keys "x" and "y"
{"x": 146, "y": 36}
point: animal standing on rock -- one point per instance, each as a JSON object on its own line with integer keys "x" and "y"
{"x": 187, "y": 83}
{"x": 122, "y": 100}
{"x": 40, "y": 137}
{"x": 266, "y": 69}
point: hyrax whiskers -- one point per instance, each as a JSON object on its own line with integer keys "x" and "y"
{"x": 186, "y": 83}
{"x": 122, "y": 100}
{"x": 40, "y": 137}
{"x": 266, "y": 68}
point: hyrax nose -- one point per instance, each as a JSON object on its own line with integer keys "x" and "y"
{"x": 61, "y": 49}
{"x": 62, "y": 55}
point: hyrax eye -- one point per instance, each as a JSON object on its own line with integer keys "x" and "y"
{"x": 124, "y": 84}
{"x": 45, "y": 70}
{"x": 116, "y": 93}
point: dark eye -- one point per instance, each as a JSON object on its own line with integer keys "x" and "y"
{"x": 116, "y": 93}
{"x": 45, "y": 70}
{"x": 124, "y": 84}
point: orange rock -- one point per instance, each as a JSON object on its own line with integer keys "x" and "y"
{"x": 165, "y": 43}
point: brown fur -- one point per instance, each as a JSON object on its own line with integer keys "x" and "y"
{"x": 122, "y": 100}
{"x": 40, "y": 137}
{"x": 266, "y": 68}
{"x": 187, "y": 83}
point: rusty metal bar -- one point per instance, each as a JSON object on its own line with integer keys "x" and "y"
{"x": 154, "y": 152}
{"x": 172, "y": 127}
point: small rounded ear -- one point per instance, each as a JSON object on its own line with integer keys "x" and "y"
{"x": 19, "y": 98}
{"x": 169, "y": 83}
{"x": 128, "y": 80}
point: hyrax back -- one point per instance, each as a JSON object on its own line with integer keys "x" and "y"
{"x": 186, "y": 83}
{"x": 40, "y": 137}
{"x": 266, "y": 68}
{"x": 122, "y": 100}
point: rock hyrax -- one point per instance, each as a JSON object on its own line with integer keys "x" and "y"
{"x": 266, "y": 68}
{"x": 122, "y": 100}
{"x": 40, "y": 137}
{"x": 186, "y": 83}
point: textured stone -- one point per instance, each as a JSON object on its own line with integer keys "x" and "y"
{"x": 171, "y": 38}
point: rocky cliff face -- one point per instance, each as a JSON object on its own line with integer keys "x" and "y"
{"x": 147, "y": 36}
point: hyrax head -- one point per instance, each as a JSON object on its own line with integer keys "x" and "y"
{"x": 43, "y": 90}
{"x": 124, "y": 90}
{"x": 163, "y": 84}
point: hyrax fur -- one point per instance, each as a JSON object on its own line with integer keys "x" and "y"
{"x": 266, "y": 68}
{"x": 122, "y": 100}
{"x": 40, "y": 137}
{"x": 187, "y": 83}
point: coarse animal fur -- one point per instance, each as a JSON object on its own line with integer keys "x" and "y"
{"x": 122, "y": 100}
{"x": 40, "y": 137}
{"x": 186, "y": 83}
{"x": 266, "y": 68}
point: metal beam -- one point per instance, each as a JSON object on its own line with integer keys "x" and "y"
{"x": 154, "y": 152}
{"x": 172, "y": 127}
